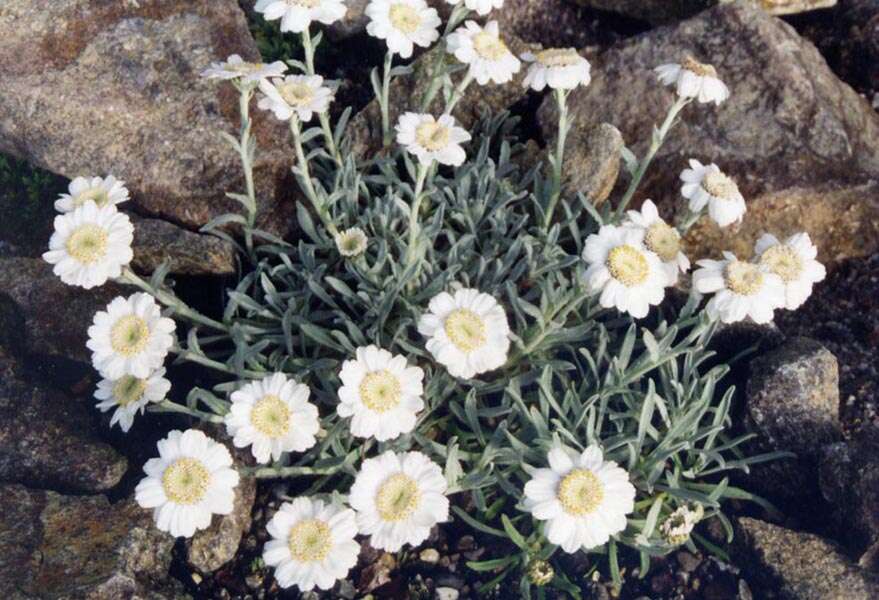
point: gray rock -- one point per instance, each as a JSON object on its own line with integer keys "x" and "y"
{"x": 157, "y": 241}
{"x": 406, "y": 93}
{"x": 800, "y": 566}
{"x": 592, "y": 162}
{"x": 793, "y": 405}
{"x": 55, "y": 546}
{"x": 849, "y": 480}
{"x": 778, "y": 83}
{"x": 49, "y": 317}
{"x": 115, "y": 87}
{"x": 46, "y": 440}
{"x": 211, "y": 548}
{"x": 663, "y": 11}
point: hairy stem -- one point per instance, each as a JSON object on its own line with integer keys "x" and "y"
{"x": 459, "y": 13}
{"x": 458, "y": 93}
{"x": 413, "y": 249}
{"x": 246, "y": 154}
{"x": 307, "y": 183}
{"x": 166, "y": 406}
{"x": 561, "y": 97}
{"x": 171, "y": 301}
{"x": 384, "y": 101}
{"x": 308, "y": 46}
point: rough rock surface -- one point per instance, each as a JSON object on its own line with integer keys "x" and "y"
{"x": 35, "y": 295}
{"x": 843, "y": 222}
{"x": 793, "y": 405}
{"x": 406, "y": 93}
{"x": 157, "y": 241}
{"x": 663, "y": 11}
{"x": 789, "y": 123}
{"x": 799, "y": 566}
{"x": 213, "y": 547}
{"x": 46, "y": 440}
{"x": 114, "y": 87}
{"x": 592, "y": 162}
{"x": 849, "y": 478}
{"x": 55, "y": 546}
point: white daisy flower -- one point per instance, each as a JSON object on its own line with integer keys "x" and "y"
{"x": 678, "y": 526}
{"x": 740, "y": 289}
{"x": 558, "y": 68}
{"x": 297, "y": 15}
{"x": 191, "y": 480}
{"x": 130, "y": 395}
{"x": 130, "y": 337}
{"x": 693, "y": 79}
{"x": 103, "y": 192}
{"x": 90, "y": 245}
{"x": 794, "y": 262}
{"x": 398, "y": 498}
{"x": 660, "y": 238}
{"x": 300, "y": 95}
{"x": 432, "y": 139}
{"x": 583, "y": 498}
{"x": 482, "y": 7}
{"x": 312, "y": 544}
{"x": 236, "y": 67}
{"x": 707, "y": 184}
{"x": 351, "y": 242}
{"x": 403, "y": 24}
{"x": 467, "y": 332}
{"x": 272, "y": 416}
{"x": 629, "y": 276}
{"x": 485, "y": 52}
{"x": 381, "y": 393}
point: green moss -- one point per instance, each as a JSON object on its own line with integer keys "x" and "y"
{"x": 27, "y": 195}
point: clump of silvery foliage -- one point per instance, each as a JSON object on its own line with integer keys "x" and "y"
{"x": 450, "y": 336}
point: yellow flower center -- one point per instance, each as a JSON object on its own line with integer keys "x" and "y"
{"x": 246, "y": 67}
{"x": 783, "y": 261}
{"x": 87, "y": 244}
{"x": 558, "y": 57}
{"x": 432, "y": 136}
{"x": 296, "y": 94}
{"x": 720, "y": 186}
{"x": 488, "y": 46}
{"x": 97, "y": 195}
{"x": 310, "y": 540}
{"x": 628, "y": 265}
{"x": 380, "y": 391}
{"x": 700, "y": 69}
{"x": 664, "y": 240}
{"x": 186, "y": 481}
{"x": 128, "y": 389}
{"x": 404, "y": 18}
{"x": 129, "y": 335}
{"x": 580, "y": 492}
{"x": 351, "y": 243}
{"x": 270, "y": 416}
{"x": 465, "y": 329}
{"x": 743, "y": 278}
{"x": 397, "y": 497}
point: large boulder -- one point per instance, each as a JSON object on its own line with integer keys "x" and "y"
{"x": 797, "y": 565}
{"x": 789, "y": 123}
{"x": 157, "y": 242}
{"x": 211, "y": 548}
{"x": 663, "y": 11}
{"x": 46, "y": 438}
{"x": 57, "y": 546}
{"x": 94, "y": 87}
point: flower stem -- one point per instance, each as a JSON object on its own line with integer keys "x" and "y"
{"x": 310, "y": 191}
{"x": 166, "y": 406}
{"x": 413, "y": 247}
{"x": 246, "y": 152}
{"x": 384, "y": 101}
{"x": 171, "y": 301}
{"x": 458, "y": 93}
{"x": 561, "y": 97}
{"x": 459, "y": 13}
{"x": 658, "y": 138}
{"x": 308, "y": 46}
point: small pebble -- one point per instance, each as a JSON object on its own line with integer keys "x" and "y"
{"x": 430, "y": 556}
{"x": 447, "y": 593}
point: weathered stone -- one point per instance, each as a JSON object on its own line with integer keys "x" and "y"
{"x": 842, "y": 221}
{"x": 211, "y": 548}
{"x": 778, "y": 83}
{"x": 592, "y": 162}
{"x": 663, "y": 11}
{"x": 55, "y": 546}
{"x": 54, "y": 317}
{"x": 115, "y": 87}
{"x": 800, "y": 566}
{"x": 157, "y": 241}
{"x": 46, "y": 440}
{"x": 406, "y": 93}
{"x": 849, "y": 479}
{"x": 793, "y": 405}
